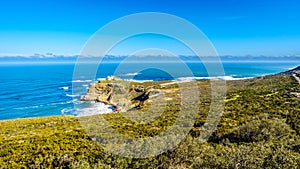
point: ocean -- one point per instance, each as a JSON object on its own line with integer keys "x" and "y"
{"x": 33, "y": 90}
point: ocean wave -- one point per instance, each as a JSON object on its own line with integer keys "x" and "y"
{"x": 130, "y": 74}
{"x": 64, "y": 88}
{"x": 235, "y": 78}
{"x": 94, "y": 109}
{"x": 60, "y": 103}
{"x": 101, "y": 78}
{"x": 212, "y": 78}
{"x": 81, "y": 81}
{"x": 27, "y": 107}
{"x": 140, "y": 81}
{"x": 42, "y": 105}
{"x": 67, "y": 111}
{"x": 291, "y": 68}
{"x": 72, "y": 95}
{"x": 76, "y": 101}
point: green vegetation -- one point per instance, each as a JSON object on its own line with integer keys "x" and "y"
{"x": 271, "y": 94}
{"x": 260, "y": 128}
{"x": 232, "y": 99}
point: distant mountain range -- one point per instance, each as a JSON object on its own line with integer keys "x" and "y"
{"x": 109, "y": 58}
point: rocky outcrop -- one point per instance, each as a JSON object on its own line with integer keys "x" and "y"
{"x": 123, "y": 95}
{"x": 295, "y": 73}
{"x": 295, "y": 70}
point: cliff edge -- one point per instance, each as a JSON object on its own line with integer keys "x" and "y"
{"x": 121, "y": 94}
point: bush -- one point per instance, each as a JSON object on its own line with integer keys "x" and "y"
{"x": 259, "y": 130}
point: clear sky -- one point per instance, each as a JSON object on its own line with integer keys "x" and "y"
{"x": 235, "y": 27}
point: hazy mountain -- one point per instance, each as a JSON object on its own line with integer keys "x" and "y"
{"x": 38, "y": 58}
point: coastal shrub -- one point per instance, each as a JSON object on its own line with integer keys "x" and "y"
{"x": 258, "y": 155}
{"x": 259, "y": 130}
{"x": 293, "y": 118}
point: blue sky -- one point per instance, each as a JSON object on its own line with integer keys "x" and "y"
{"x": 235, "y": 27}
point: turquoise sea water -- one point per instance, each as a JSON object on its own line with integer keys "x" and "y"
{"x": 31, "y": 90}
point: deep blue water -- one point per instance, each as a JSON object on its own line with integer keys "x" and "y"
{"x": 46, "y": 89}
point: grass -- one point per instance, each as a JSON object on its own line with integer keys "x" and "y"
{"x": 260, "y": 128}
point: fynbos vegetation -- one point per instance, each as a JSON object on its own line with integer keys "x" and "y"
{"x": 260, "y": 128}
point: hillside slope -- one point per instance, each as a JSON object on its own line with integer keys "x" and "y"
{"x": 260, "y": 128}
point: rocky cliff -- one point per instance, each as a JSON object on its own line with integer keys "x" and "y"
{"x": 121, "y": 94}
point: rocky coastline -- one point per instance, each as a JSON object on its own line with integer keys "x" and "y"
{"x": 123, "y": 95}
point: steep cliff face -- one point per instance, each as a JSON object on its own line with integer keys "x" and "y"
{"x": 123, "y": 95}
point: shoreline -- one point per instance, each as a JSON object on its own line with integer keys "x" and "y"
{"x": 96, "y": 104}
{"x": 181, "y": 80}
{"x": 189, "y": 78}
